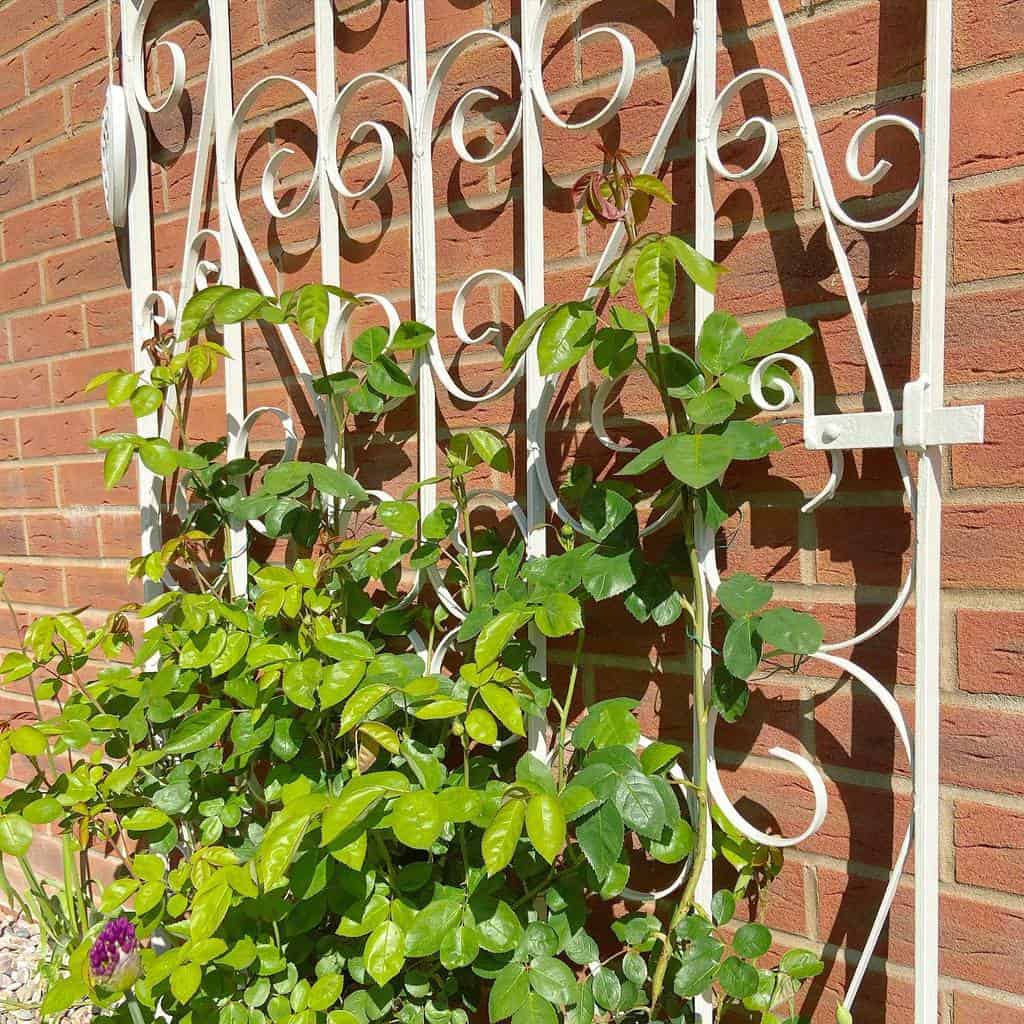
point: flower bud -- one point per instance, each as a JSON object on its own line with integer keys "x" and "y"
{"x": 115, "y": 958}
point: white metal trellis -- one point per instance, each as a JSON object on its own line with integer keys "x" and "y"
{"x": 922, "y": 422}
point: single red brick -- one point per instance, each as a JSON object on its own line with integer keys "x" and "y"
{"x": 12, "y": 536}
{"x": 79, "y": 43}
{"x": 970, "y": 1009}
{"x": 24, "y": 387}
{"x": 980, "y": 749}
{"x": 100, "y": 587}
{"x": 39, "y": 229}
{"x": 979, "y": 547}
{"x": 15, "y": 185}
{"x": 863, "y": 545}
{"x": 71, "y": 161}
{"x": 54, "y": 330}
{"x": 19, "y": 287}
{"x": 999, "y": 462}
{"x": 27, "y": 487}
{"x": 56, "y": 433}
{"x": 980, "y": 328}
{"x": 989, "y": 231}
{"x": 986, "y": 31}
{"x": 71, "y": 534}
{"x": 32, "y": 123}
{"x": 12, "y": 80}
{"x": 24, "y": 20}
{"x": 990, "y": 651}
{"x": 85, "y": 269}
{"x": 989, "y": 843}
{"x": 981, "y": 142}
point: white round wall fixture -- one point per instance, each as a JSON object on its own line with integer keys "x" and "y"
{"x": 115, "y": 154}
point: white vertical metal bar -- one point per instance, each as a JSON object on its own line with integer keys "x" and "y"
{"x": 705, "y": 29}
{"x": 140, "y": 262}
{"x": 234, "y": 367}
{"x": 330, "y": 227}
{"x": 424, "y": 249}
{"x": 934, "y": 243}
{"x": 533, "y": 298}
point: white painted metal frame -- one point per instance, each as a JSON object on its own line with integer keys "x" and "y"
{"x": 922, "y": 423}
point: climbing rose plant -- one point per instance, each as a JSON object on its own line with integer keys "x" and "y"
{"x": 315, "y": 820}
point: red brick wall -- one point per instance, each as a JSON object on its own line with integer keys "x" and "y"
{"x": 64, "y": 317}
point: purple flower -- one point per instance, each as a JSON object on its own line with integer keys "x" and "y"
{"x": 115, "y": 956}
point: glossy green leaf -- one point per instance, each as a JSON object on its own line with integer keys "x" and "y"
{"x": 791, "y": 631}
{"x": 522, "y": 337}
{"x": 742, "y": 594}
{"x": 535, "y": 1010}
{"x": 116, "y": 462}
{"x": 752, "y": 940}
{"x": 416, "y": 820}
{"x": 545, "y": 825}
{"x": 385, "y": 952}
{"x": 566, "y": 336}
{"x": 714, "y": 406}
{"x": 502, "y": 835}
{"x": 741, "y": 650}
{"x": 431, "y": 924}
{"x": 312, "y": 311}
{"x": 703, "y": 272}
{"x": 504, "y": 706}
{"x": 751, "y": 440}
{"x": 481, "y": 726}
{"x": 801, "y": 964}
{"x": 559, "y": 615}
{"x": 508, "y": 992}
{"x": 654, "y": 279}
{"x": 198, "y": 731}
{"x": 730, "y": 694}
{"x": 697, "y": 459}
{"x": 737, "y": 978}
{"x": 601, "y": 835}
{"x": 777, "y": 336}
{"x": 553, "y": 980}
{"x": 722, "y": 343}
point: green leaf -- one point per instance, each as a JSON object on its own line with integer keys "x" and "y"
{"x": 312, "y": 311}
{"x": 553, "y": 980}
{"x": 743, "y": 594}
{"x": 640, "y": 804}
{"x": 677, "y": 371}
{"x": 502, "y": 835}
{"x": 791, "y": 631}
{"x": 62, "y": 995}
{"x": 325, "y": 993}
{"x": 566, "y": 337}
{"x": 416, "y": 820}
{"x": 776, "y": 337}
{"x": 301, "y": 679}
{"x": 508, "y": 992}
{"x": 400, "y": 517}
{"x": 601, "y": 835}
{"x": 535, "y": 1010}
{"x": 146, "y": 399}
{"x": 43, "y": 810}
{"x": 614, "y": 351}
{"x": 729, "y": 694}
{"x": 238, "y": 305}
{"x": 654, "y": 279}
{"x": 723, "y": 906}
{"x": 440, "y": 522}
{"x": 495, "y": 636}
{"x": 752, "y": 940}
{"x": 701, "y": 271}
{"x": 652, "y": 186}
{"x": 751, "y": 440}
{"x": 185, "y": 981}
{"x": 714, "y": 406}
{"x": 385, "y": 376}
{"x": 385, "y": 952}
{"x": 801, "y": 964}
{"x": 198, "y": 732}
{"x": 500, "y": 932}
{"x": 737, "y": 978}
{"x": 697, "y": 459}
{"x": 411, "y": 336}
{"x": 120, "y": 387}
{"x": 545, "y": 825}
{"x": 460, "y": 947}
{"x": 481, "y": 726}
{"x": 116, "y": 462}
{"x": 695, "y": 975}
{"x": 278, "y": 847}
{"x": 505, "y": 707}
{"x": 741, "y": 650}
{"x": 609, "y": 723}
{"x": 208, "y": 911}
{"x": 722, "y": 343}
{"x": 523, "y": 335}
{"x": 607, "y": 988}
{"x": 649, "y": 458}
{"x": 370, "y": 345}
{"x": 560, "y": 615}
{"x": 430, "y": 925}
{"x": 603, "y": 511}
{"x": 606, "y": 576}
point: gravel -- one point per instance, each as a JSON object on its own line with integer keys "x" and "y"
{"x": 20, "y": 985}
